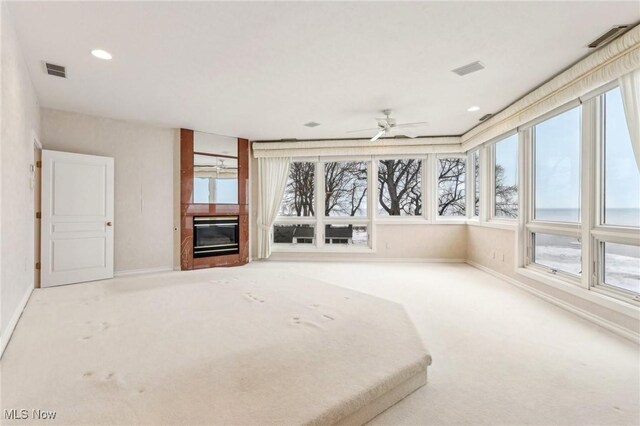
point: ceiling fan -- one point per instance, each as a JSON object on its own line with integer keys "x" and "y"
{"x": 387, "y": 125}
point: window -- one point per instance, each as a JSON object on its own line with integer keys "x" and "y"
{"x": 475, "y": 157}
{"x": 555, "y": 172}
{"x": 343, "y": 221}
{"x": 345, "y": 184}
{"x": 294, "y": 234}
{"x": 298, "y": 199}
{"x": 399, "y": 187}
{"x": 621, "y": 266}
{"x": 621, "y": 174}
{"x": 505, "y": 177}
{"x": 557, "y": 168}
{"x": 346, "y": 234}
{"x": 616, "y": 236}
{"x": 451, "y": 186}
{"x": 557, "y": 252}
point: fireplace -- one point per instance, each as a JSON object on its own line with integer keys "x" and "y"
{"x": 215, "y": 236}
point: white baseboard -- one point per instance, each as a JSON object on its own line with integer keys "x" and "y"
{"x": 613, "y": 327}
{"x": 282, "y": 258}
{"x": 143, "y": 271}
{"x": 6, "y": 336}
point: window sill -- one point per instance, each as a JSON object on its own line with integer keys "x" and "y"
{"x": 492, "y": 224}
{"x": 298, "y": 249}
{"x": 626, "y": 307}
{"x": 450, "y": 221}
{"x": 406, "y": 220}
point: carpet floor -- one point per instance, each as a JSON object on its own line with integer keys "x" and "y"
{"x": 500, "y": 355}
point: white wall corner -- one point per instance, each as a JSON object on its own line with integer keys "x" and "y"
{"x": 13, "y": 322}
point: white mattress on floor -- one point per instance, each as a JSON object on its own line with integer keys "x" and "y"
{"x": 224, "y": 346}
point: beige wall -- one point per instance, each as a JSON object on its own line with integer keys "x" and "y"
{"x": 20, "y": 119}
{"x": 495, "y": 249}
{"x": 403, "y": 243}
{"x": 144, "y": 181}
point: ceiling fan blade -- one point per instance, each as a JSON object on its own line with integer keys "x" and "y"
{"x": 364, "y": 130}
{"x": 416, "y": 124}
{"x": 376, "y": 137}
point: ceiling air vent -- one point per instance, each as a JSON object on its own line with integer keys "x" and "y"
{"x": 605, "y": 38}
{"x": 56, "y": 70}
{"x": 485, "y": 117}
{"x": 312, "y": 124}
{"x": 469, "y": 68}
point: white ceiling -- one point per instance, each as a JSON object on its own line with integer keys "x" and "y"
{"x": 262, "y": 70}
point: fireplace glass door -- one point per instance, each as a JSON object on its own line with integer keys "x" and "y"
{"x": 215, "y": 236}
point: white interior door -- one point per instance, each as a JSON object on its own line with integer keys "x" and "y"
{"x": 77, "y": 218}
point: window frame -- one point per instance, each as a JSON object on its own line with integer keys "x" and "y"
{"x": 491, "y": 177}
{"x": 599, "y": 232}
{"x": 435, "y": 188}
{"x": 424, "y": 188}
{"x": 528, "y": 223}
{"x": 320, "y": 219}
{"x": 315, "y": 172}
{"x": 471, "y": 193}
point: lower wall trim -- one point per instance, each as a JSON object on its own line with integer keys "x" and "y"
{"x": 362, "y": 259}
{"x": 613, "y": 327}
{"x": 13, "y": 322}
{"x": 143, "y": 271}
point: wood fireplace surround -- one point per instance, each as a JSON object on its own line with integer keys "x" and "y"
{"x": 190, "y": 210}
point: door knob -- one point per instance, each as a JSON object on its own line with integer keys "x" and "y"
{"x": 109, "y": 224}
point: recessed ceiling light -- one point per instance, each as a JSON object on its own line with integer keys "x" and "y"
{"x": 102, "y": 54}
{"x": 474, "y": 108}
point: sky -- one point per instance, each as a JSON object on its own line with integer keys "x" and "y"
{"x": 557, "y": 162}
{"x": 622, "y": 175}
{"x": 506, "y": 152}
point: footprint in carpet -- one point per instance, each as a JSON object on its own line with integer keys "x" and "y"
{"x": 254, "y": 298}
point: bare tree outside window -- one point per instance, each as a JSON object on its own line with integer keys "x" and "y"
{"x": 298, "y": 199}
{"x": 345, "y": 184}
{"x": 451, "y": 187}
{"x": 399, "y": 187}
{"x": 506, "y": 177}
{"x": 506, "y": 195}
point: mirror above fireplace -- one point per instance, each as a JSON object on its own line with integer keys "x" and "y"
{"x": 215, "y": 169}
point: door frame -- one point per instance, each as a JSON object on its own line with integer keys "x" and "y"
{"x": 36, "y": 179}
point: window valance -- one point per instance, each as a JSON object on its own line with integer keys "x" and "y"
{"x": 355, "y": 147}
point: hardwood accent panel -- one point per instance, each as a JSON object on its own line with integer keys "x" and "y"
{"x": 188, "y": 209}
{"x": 243, "y": 172}
{"x": 186, "y": 166}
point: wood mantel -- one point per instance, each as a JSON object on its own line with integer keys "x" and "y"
{"x": 188, "y": 209}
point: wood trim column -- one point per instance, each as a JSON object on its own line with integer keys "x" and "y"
{"x": 188, "y": 209}
{"x": 186, "y": 199}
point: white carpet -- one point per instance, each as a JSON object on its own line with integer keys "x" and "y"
{"x": 500, "y": 354}
{"x": 228, "y": 346}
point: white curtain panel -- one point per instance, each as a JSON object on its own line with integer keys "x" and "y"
{"x": 630, "y": 88}
{"x": 272, "y": 179}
